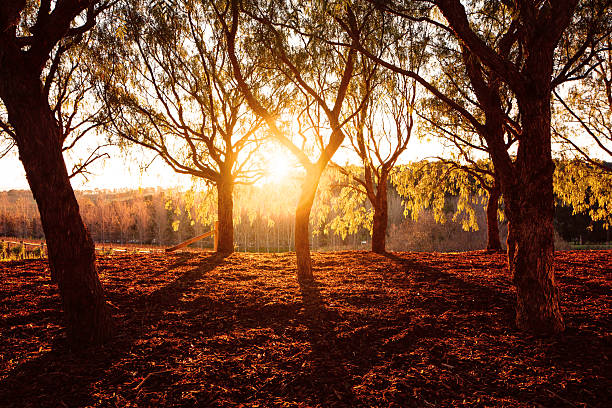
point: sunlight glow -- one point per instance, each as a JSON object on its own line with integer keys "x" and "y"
{"x": 278, "y": 167}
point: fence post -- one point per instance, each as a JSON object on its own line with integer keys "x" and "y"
{"x": 216, "y": 235}
{"x": 23, "y": 250}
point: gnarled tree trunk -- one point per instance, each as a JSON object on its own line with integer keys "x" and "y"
{"x": 70, "y": 247}
{"x": 531, "y": 218}
{"x": 493, "y": 241}
{"x": 381, "y": 217}
{"x": 225, "y": 211}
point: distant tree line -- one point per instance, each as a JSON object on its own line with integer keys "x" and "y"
{"x": 423, "y": 212}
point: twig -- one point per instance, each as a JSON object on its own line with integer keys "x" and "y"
{"x": 149, "y": 376}
{"x": 560, "y": 397}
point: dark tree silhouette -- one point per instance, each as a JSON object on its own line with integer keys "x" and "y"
{"x": 29, "y": 36}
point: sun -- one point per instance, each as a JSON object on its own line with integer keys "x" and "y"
{"x": 278, "y": 167}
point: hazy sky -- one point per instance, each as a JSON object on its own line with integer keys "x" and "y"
{"x": 120, "y": 171}
{"x": 114, "y": 173}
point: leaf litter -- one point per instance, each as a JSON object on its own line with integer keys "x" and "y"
{"x": 405, "y": 329}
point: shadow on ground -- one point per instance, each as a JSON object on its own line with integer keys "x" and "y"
{"x": 400, "y": 329}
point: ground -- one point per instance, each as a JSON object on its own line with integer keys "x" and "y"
{"x": 406, "y": 329}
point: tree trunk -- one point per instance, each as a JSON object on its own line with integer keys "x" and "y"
{"x": 225, "y": 211}
{"x": 381, "y": 209}
{"x": 302, "y": 218}
{"x": 531, "y": 217}
{"x": 527, "y": 184}
{"x": 70, "y": 247}
{"x": 493, "y": 241}
{"x": 511, "y": 247}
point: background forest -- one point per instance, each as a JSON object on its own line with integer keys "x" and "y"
{"x": 264, "y": 222}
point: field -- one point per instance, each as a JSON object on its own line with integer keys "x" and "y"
{"x": 406, "y": 329}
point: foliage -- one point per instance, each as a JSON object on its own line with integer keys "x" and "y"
{"x": 586, "y": 188}
{"x": 430, "y": 184}
{"x": 353, "y": 212}
{"x": 166, "y": 85}
{"x": 427, "y": 235}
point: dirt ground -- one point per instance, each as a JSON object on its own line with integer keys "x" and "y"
{"x": 407, "y": 329}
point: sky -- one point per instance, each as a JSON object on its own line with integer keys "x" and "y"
{"x": 121, "y": 171}
{"x": 116, "y": 172}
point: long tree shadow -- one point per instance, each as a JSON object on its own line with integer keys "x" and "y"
{"x": 322, "y": 371}
{"x": 465, "y": 296}
{"x": 327, "y": 371}
{"x": 329, "y": 377}
{"x": 64, "y": 369}
{"x": 469, "y": 300}
{"x": 336, "y": 342}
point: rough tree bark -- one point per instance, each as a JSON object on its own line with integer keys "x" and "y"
{"x": 70, "y": 247}
{"x": 493, "y": 241}
{"x": 527, "y": 184}
{"x": 531, "y": 217}
{"x": 381, "y": 217}
{"x": 225, "y": 211}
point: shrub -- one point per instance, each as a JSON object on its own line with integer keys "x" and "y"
{"x": 425, "y": 234}
{"x": 18, "y": 252}
{"x": 36, "y": 253}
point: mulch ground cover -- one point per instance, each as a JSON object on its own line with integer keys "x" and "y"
{"x": 406, "y": 329}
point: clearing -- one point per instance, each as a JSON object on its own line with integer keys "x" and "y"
{"x": 406, "y": 329}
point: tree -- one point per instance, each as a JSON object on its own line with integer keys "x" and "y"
{"x": 67, "y": 83}
{"x": 30, "y": 34}
{"x": 483, "y": 172}
{"x": 320, "y": 71}
{"x": 171, "y": 91}
{"x": 527, "y": 182}
{"x": 104, "y": 215}
{"x": 513, "y": 44}
{"x": 584, "y": 116}
{"x": 379, "y": 134}
{"x": 435, "y": 187}
{"x": 586, "y": 187}
{"x": 122, "y": 214}
{"x": 452, "y": 112}
{"x": 160, "y": 216}
{"x": 483, "y": 110}
{"x": 142, "y": 217}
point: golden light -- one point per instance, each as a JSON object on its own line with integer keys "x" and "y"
{"x": 278, "y": 167}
